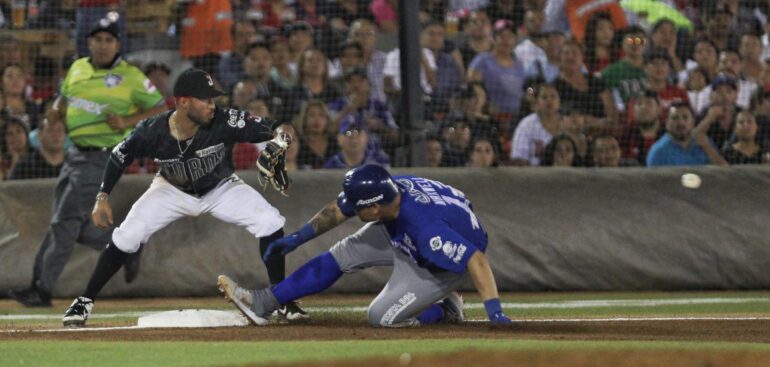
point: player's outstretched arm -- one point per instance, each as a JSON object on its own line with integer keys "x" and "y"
{"x": 484, "y": 281}
{"x": 327, "y": 218}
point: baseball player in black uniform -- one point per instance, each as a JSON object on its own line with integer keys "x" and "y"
{"x": 193, "y": 147}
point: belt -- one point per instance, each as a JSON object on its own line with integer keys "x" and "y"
{"x": 92, "y": 149}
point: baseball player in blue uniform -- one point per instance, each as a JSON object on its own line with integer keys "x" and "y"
{"x": 193, "y": 147}
{"x": 424, "y": 229}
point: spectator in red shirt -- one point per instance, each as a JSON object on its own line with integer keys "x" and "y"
{"x": 644, "y": 130}
{"x": 658, "y": 67}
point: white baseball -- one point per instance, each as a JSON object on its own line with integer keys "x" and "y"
{"x": 405, "y": 359}
{"x": 691, "y": 181}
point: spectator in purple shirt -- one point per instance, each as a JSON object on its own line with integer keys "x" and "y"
{"x": 501, "y": 72}
{"x": 353, "y": 141}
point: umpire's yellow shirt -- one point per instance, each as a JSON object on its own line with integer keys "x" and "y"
{"x": 93, "y": 93}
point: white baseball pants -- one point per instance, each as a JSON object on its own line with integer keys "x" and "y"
{"x": 233, "y": 201}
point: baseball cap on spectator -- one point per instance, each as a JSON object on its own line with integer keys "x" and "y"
{"x": 196, "y": 83}
{"x": 464, "y": 91}
{"x": 724, "y": 79}
{"x": 350, "y": 124}
{"x": 657, "y": 53}
{"x": 350, "y": 44}
{"x": 720, "y": 9}
{"x": 502, "y": 25}
{"x": 356, "y": 71}
{"x": 298, "y": 26}
{"x": 106, "y": 25}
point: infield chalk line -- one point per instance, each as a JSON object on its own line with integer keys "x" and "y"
{"x": 528, "y": 321}
{"x": 470, "y": 306}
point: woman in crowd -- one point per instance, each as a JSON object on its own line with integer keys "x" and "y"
{"x": 483, "y": 154}
{"x": 664, "y": 36}
{"x": 14, "y": 143}
{"x": 746, "y": 150}
{"x": 581, "y": 90}
{"x": 600, "y": 46}
{"x": 479, "y": 31}
{"x": 15, "y": 101}
{"x": 560, "y": 152}
{"x": 537, "y": 129}
{"x": 317, "y": 142}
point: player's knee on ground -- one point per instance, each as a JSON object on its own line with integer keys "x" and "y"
{"x": 128, "y": 241}
{"x": 392, "y": 315}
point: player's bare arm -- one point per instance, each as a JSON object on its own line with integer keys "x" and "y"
{"x": 484, "y": 281}
{"x": 327, "y": 218}
{"x": 481, "y": 274}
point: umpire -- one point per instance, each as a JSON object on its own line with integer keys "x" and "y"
{"x": 104, "y": 97}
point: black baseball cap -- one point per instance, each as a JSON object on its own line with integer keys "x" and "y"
{"x": 657, "y": 53}
{"x": 356, "y": 71}
{"x": 105, "y": 25}
{"x": 724, "y": 79}
{"x": 196, "y": 83}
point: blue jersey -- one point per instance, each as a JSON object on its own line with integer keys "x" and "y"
{"x": 436, "y": 225}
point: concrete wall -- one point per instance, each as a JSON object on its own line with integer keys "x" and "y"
{"x": 550, "y": 229}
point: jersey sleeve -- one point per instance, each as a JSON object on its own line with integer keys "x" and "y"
{"x": 248, "y": 128}
{"x": 444, "y": 248}
{"x": 123, "y": 154}
{"x": 144, "y": 93}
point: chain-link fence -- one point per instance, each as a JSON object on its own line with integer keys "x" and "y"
{"x": 541, "y": 83}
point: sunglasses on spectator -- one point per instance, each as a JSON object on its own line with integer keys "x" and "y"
{"x": 639, "y": 41}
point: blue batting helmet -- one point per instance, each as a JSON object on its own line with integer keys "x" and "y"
{"x": 369, "y": 185}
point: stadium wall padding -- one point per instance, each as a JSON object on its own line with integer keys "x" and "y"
{"x": 550, "y": 229}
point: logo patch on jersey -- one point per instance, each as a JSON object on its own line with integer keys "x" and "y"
{"x": 449, "y": 249}
{"x": 112, "y": 80}
{"x": 435, "y": 243}
{"x": 149, "y": 87}
{"x": 460, "y": 252}
{"x": 210, "y": 150}
{"x": 241, "y": 124}
{"x": 117, "y": 152}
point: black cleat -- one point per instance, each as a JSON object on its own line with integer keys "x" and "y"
{"x": 292, "y": 312}
{"x": 31, "y": 297}
{"x": 78, "y": 312}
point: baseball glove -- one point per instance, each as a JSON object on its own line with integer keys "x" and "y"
{"x": 272, "y": 164}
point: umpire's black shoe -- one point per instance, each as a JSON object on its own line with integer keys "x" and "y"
{"x": 131, "y": 267}
{"x": 31, "y": 297}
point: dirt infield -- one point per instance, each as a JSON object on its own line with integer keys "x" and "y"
{"x": 327, "y": 327}
{"x": 757, "y": 331}
{"x": 330, "y": 327}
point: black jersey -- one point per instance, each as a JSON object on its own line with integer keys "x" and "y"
{"x": 196, "y": 165}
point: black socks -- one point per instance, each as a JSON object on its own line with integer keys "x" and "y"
{"x": 109, "y": 263}
{"x": 276, "y": 265}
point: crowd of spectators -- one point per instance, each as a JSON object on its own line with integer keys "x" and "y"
{"x": 505, "y": 82}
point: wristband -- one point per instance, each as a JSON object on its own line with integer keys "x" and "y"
{"x": 493, "y": 307}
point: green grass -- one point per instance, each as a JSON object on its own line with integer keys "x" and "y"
{"x": 84, "y": 354}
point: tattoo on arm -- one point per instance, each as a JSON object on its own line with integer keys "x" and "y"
{"x": 329, "y": 217}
